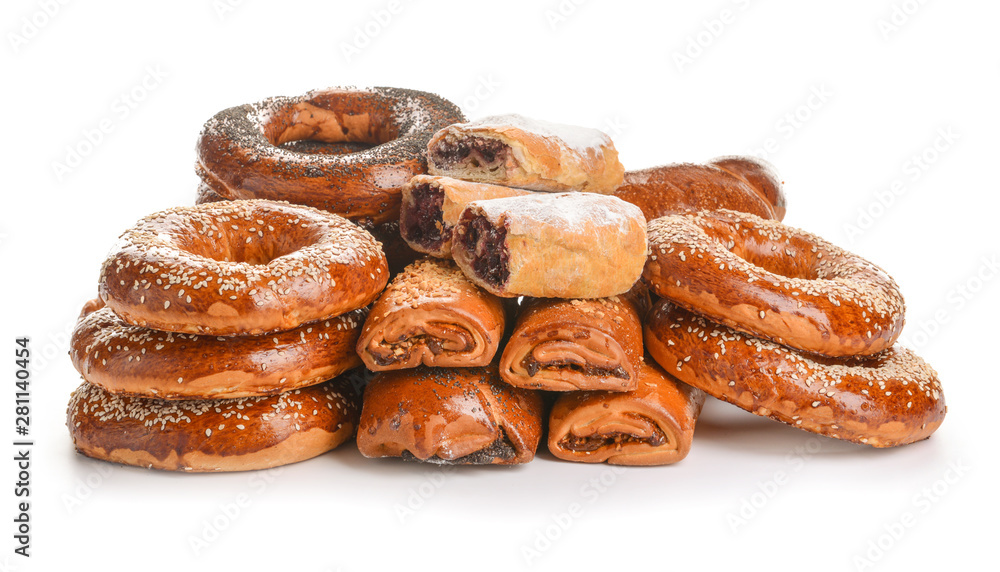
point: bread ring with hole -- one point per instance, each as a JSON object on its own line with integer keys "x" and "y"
{"x": 250, "y": 151}
{"x": 132, "y": 360}
{"x": 205, "y": 435}
{"x": 773, "y": 281}
{"x": 241, "y": 267}
{"x": 888, "y": 399}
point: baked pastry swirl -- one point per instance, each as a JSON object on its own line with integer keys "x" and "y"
{"x": 652, "y": 425}
{"x": 431, "y": 314}
{"x": 451, "y": 416}
{"x": 570, "y": 345}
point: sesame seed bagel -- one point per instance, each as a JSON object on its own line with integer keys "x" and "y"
{"x": 246, "y": 152}
{"x": 773, "y": 281}
{"x": 885, "y": 400}
{"x": 744, "y": 184}
{"x": 240, "y": 267}
{"x": 213, "y": 434}
{"x": 132, "y": 360}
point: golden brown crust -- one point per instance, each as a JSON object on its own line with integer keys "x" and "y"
{"x": 205, "y": 194}
{"x": 542, "y": 156}
{"x": 568, "y": 245}
{"x": 652, "y": 425}
{"x": 244, "y": 151}
{"x": 685, "y": 187}
{"x": 760, "y": 174}
{"x": 213, "y": 435}
{"x": 397, "y": 253}
{"x": 431, "y": 314}
{"x": 449, "y": 415}
{"x": 570, "y": 345}
{"x": 889, "y": 399}
{"x": 131, "y": 360}
{"x": 435, "y": 237}
{"x": 240, "y": 267}
{"x": 774, "y": 281}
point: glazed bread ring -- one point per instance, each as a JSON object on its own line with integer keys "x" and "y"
{"x": 132, "y": 360}
{"x": 760, "y": 174}
{"x": 205, "y": 194}
{"x": 741, "y": 184}
{"x": 213, "y": 434}
{"x": 888, "y": 399}
{"x": 773, "y": 281}
{"x": 397, "y": 252}
{"x": 241, "y": 267}
{"x": 244, "y": 151}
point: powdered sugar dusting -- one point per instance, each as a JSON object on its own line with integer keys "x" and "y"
{"x": 580, "y": 139}
{"x": 570, "y": 211}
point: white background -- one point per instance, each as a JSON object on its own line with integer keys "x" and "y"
{"x": 839, "y": 102}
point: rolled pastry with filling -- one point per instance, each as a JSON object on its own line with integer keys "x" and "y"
{"x": 570, "y": 345}
{"x": 431, "y": 314}
{"x": 652, "y": 425}
{"x": 431, "y": 206}
{"x": 516, "y": 151}
{"x": 564, "y": 245}
{"x": 456, "y": 416}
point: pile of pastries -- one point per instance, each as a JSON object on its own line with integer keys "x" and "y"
{"x": 367, "y": 263}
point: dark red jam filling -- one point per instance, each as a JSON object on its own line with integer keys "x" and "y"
{"x": 422, "y": 224}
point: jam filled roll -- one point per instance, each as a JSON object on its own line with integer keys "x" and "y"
{"x": 457, "y": 416}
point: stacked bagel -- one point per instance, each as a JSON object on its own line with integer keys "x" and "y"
{"x": 218, "y": 337}
{"x": 493, "y": 278}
